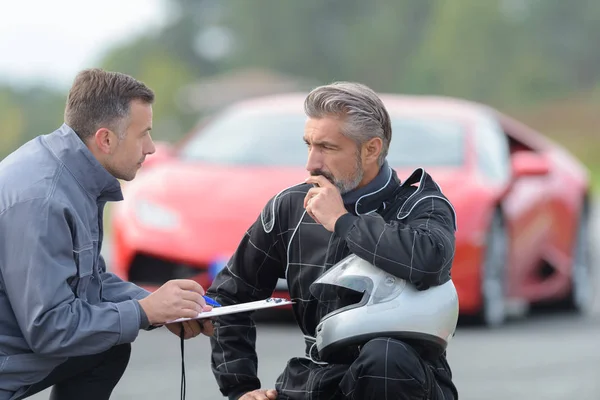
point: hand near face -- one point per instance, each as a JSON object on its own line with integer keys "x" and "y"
{"x": 324, "y": 202}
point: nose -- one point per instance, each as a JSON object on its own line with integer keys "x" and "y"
{"x": 151, "y": 148}
{"x": 314, "y": 161}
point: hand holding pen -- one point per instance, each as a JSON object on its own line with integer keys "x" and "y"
{"x": 211, "y": 302}
{"x": 178, "y": 298}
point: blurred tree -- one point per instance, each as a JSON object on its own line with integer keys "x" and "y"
{"x": 566, "y": 31}
{"x": 475, "y": 50}
{"x": 43, "y": 110}
{"x": 25, "y": 114}
{"x": 379, "y": 44}
{"x": 510, "y": 53}
{"x": 159, "y": 66}
{"x": 12, "y": 123}
{"x": 169, "y": 59}
{"x": 498, "y": 51}
{"x": 329, "y": 40}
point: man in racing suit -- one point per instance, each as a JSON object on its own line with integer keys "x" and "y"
{"x": 353, "y": 202}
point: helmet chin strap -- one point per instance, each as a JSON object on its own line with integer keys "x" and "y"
{"x": 313, "y": 348}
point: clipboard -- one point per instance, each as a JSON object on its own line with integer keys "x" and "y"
{"x": 237, "y": 308}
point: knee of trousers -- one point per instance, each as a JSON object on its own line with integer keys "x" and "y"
{"x": 390, "y": 357}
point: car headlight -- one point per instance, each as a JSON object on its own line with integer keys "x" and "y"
{"x": 156, "y": 216}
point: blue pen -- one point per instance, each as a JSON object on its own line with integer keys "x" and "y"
{"x": 211, "y": 302}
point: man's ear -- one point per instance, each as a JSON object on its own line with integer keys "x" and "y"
{"x": 104, "y": 140}
{"x": 371, "y": 150}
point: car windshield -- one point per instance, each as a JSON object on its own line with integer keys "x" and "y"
{"x": 276, "y": 139}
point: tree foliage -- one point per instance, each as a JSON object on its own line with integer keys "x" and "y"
{"x": 509, "y": 53}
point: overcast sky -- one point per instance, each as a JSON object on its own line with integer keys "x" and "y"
{"x": 50, "y": 40}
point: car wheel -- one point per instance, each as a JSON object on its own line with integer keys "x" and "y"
{"x": 493, "y": 271}
{"x": 581, "y": 296}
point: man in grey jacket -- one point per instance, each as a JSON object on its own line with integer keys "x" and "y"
{"x": 64, "y": 320}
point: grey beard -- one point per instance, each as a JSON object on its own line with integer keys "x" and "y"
{"x": 346, "y": 186}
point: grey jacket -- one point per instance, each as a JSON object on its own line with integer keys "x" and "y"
{"x": 56, "y": 298}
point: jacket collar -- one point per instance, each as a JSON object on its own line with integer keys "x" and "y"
{"x": 373, "y": 195}
{"x": 74, "y": 155}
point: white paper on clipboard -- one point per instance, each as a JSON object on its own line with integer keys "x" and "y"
{"x": 237, "y": 308}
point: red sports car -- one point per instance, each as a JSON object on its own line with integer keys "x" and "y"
{"x": 523, "y": 202}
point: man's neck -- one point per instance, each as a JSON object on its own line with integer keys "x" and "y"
{"x": 369, "y": 176}
{"x": 368, "y": 194}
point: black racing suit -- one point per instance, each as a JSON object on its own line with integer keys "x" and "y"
{"x": 405, "y": 229}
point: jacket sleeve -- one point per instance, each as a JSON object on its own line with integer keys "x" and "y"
{"x": 116, "y": 290}
{"x": 37, "y": 262}
{"x": 251, "y": 274}
{"x": 419, "y": 248}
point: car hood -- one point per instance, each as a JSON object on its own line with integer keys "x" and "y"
{"x": 213, "y": 192}
{"x": 225, "y": 192}
{"x": 215, "y": 205}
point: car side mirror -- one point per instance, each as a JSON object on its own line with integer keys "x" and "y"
{"x": 529, "y": 163}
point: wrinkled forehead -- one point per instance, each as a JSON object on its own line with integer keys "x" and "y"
{"x": 328, "y": 129}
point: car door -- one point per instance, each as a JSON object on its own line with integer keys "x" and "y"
{"x": 529, "y": 213}
{"x": 494, "y": 166}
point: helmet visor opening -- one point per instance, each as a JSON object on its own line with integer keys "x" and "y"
{"x": 357, "y": 276}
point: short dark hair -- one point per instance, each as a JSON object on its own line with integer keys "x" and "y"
{"x": 100, "y": 98}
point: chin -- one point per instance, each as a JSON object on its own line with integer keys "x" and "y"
{"x": 346, "y": 187}
{"x": 126, "y": 177}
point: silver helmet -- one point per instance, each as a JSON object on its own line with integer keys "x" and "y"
{"x": 388, "y": 307}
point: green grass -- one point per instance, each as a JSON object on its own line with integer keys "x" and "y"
{"x": 586, "y": 150}
{"x": 573, "y": 123}
{"x": 106, "y": 221}
{"x": 595, "y": 173}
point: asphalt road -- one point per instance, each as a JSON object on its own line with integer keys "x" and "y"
{"x": 548, "y": 356}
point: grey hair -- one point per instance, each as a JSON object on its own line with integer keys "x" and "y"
{"x": 363, "y": 111}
